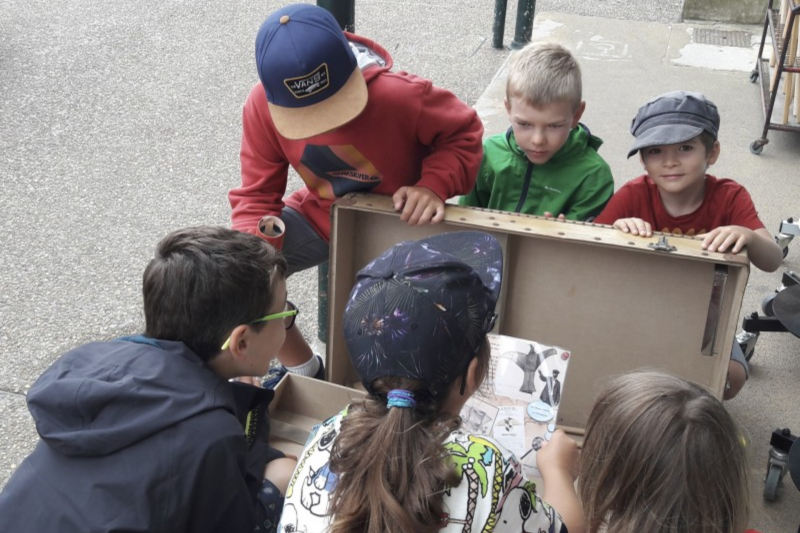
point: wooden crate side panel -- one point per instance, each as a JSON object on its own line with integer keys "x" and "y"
{"x": 365, "y": 235}
{"x": 636, "y": 307}
{"x": 615, "y": 311}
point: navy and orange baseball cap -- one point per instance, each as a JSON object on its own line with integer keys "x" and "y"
{"x": 422, "y": 309}
{"x": 309, "y": 71}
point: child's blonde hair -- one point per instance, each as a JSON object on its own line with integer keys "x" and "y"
{"x": 544, "y": 73}
{"x": 662, "y": 455}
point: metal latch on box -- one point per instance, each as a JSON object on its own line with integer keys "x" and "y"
{"x": 662, "y": 245}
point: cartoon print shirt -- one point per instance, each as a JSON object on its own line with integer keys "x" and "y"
{"x": 726, "y": 203}
{"x": 492, "y": 496}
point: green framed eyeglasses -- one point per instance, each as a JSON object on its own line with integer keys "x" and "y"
{"x": 288, "y": 315}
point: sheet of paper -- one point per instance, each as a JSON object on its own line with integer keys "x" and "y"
{"x": 518, "y": 402}
{"x": 509, "y": 428}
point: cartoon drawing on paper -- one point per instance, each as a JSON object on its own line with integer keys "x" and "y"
{"x": 517, "y": 367}
{"x": 551, "y": 393}
{"x": 478, "y": 416}
{"x": 519, "y": 406}
{"x": 530, "y": 363}
{"x": 509, "y": 428}
{"x": 536, "y": 445}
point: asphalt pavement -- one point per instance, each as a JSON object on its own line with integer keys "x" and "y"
{"x": 120, "y": 121}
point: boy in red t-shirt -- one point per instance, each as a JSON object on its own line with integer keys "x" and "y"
{"x": 676, "y": 137}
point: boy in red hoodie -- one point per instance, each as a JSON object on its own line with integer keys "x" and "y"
{"x": 329, "y": 106}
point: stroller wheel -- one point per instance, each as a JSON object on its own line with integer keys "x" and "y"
{"x": 767, "y": 304}
{"x": 771, "y": 482}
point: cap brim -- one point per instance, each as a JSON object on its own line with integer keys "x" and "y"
{"x": 303, "y": 122}
{"x": 478, "y": 250}
{"x": 664, "y": 134}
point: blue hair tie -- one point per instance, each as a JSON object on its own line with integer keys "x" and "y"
{"x": 404, "y": 399}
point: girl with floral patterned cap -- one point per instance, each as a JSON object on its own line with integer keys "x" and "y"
{"x": 415, "y": 327}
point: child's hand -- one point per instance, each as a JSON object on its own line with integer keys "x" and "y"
{"x": 559, "y": 455}
{"x": 762, "y": 249}
{"x": 548, "y": 214}
{"x": 558, "y": 462}
{"x": 420, "y": 205}
{"x": 723, "y": 238}
{"x": 634, "y": 226}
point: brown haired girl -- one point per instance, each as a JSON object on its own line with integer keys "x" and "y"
{"x": 662, "y": 455}
{"x": 415, "y": 327}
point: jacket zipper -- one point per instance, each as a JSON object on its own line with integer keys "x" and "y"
{"x": 251, "y": 426}
{"x": 525, "y": 186}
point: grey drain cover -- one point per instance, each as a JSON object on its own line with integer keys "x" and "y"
{"x": 741, "y": 39}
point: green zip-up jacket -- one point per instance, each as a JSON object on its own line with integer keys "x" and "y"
{"x": 576, "y": 181}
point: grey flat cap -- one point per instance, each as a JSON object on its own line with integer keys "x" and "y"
{"x": 673, "y": 117}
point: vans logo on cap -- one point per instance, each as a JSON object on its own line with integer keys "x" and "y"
{"x": 310, "y": 84}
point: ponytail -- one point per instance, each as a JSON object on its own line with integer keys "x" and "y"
{"x": 390, "y": 463}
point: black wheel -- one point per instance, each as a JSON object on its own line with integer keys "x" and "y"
{"x": 756, "y": 148}
{"x": 766, "y": 304}
{"x": 754, "y": 76}
{"x": 785, "y": 252}
{"x": 771, "y": 483}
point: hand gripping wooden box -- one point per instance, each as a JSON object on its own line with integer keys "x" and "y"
{"x": 615, "y": 301}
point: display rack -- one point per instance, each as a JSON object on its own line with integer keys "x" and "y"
{"x": 781, "y": 24}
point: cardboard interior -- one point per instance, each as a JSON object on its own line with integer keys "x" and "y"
{"x": 611, "y": 300}
{"x": 299, "y": 404}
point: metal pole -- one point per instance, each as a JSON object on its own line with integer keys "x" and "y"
{"x": 499, "y": 26}
{"x": 344, "y": 11}
{"x": 322, "y": 305}
{"x": 524, "y": 29}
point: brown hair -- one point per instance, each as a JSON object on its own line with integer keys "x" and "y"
{"x": 543, "y": 73}
{"x": 205, "y": 281}
{"x": 662, "y": 455}
{"x": 391, "y": 463}
{"x": 707, "y": 140}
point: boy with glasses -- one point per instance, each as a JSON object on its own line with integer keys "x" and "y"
{"x": 148, "y": 433}
{"x": 288, "y": 315}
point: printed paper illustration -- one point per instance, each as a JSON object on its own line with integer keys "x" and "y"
{"x": 518, "y": 402}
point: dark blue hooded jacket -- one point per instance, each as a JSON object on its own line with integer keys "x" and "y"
{"x": 136, "y": 435}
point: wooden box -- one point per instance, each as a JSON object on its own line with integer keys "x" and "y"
{"x": 617, "y": 302}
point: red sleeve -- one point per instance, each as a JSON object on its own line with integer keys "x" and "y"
{"x": 743, "y": 211}
{"x": 264, "y": 167}
{"x": 620, "y": 206}
{"x": 454, "y": 134}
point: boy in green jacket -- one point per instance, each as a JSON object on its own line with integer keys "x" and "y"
{"x": 546, "y": 163}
